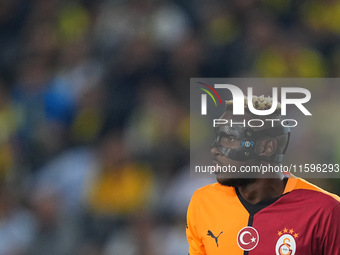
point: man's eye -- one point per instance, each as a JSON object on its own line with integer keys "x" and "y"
{"x": 227, "y": 139}
{"x": 231, "y": 139}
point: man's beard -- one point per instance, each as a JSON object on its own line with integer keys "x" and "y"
{"x": 235, "y": 182}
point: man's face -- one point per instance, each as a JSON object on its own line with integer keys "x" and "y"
{"x": 230, "y": 142}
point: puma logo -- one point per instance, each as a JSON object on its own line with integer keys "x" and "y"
{"x": 213, "y": 236}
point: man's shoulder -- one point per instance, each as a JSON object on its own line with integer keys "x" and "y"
{"x": 302, "y": 184}
{"x": 310, "y": 196}
{"x": 213, "y": 187}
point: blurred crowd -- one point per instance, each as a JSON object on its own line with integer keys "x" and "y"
{"x": 94, "y": 110}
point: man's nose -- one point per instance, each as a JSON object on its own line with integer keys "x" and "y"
{"x": 214, "y": 151}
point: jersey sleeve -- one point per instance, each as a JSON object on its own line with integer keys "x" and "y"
{"x": 196, "y": 246}
{"x": 331, "y": 233}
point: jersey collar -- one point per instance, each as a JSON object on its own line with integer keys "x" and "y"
{"x": 291, "y": 183}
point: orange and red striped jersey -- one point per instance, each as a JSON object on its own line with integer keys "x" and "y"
{"x": 304, "y": 220}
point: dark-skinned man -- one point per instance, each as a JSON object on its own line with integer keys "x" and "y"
{"x": 246, "y": 213}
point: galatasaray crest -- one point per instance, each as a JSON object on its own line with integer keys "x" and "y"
{"x": 286, "y": 244}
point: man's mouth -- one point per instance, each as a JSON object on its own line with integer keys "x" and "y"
{"x": 216, "y": 164}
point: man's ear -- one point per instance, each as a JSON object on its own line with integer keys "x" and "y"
{"x": 267, "y": 147}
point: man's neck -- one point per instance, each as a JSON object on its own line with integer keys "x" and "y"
{"x": 261, "y": 189}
